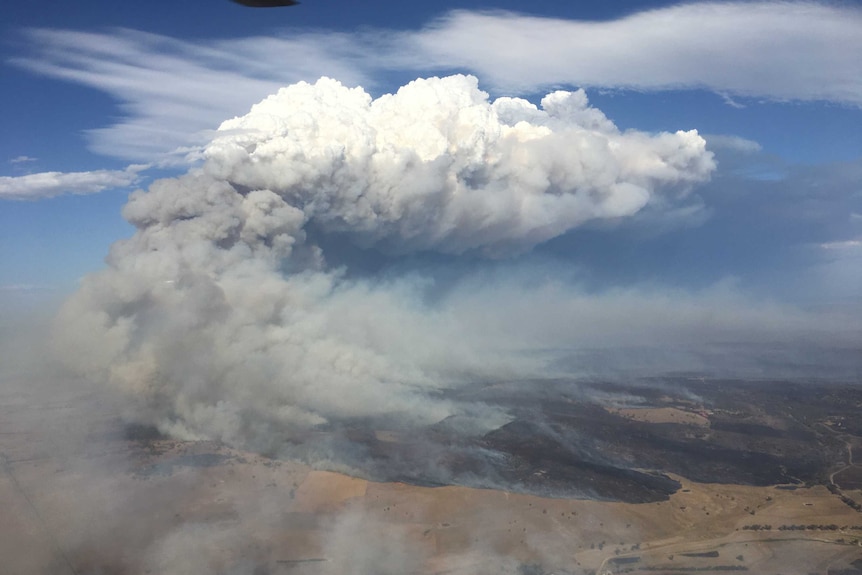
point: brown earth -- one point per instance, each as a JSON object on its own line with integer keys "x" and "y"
{"x": 82, "y": 493}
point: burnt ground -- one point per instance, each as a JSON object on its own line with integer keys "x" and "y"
{"x": 85, "y": 492}
{"x": 568, "y": 439}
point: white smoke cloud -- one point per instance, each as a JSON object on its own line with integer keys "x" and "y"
{"x": 222, "y": 316}
{"x": 220, "y": 307}
{"x": 365, "y": 544}
{"x": 438, "y": 166}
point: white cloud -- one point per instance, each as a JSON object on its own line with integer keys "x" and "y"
{"x": 839, "y": 272}
{"x": 733, "y": 143}
{"x": 22, "y": 160}
{"x": 438, "y": 165}
{"x": 772, "y": 50}
{"x": 23, "y": 288}
{"x": 51, "y": 184}
{"x": 842, "y": 245}
{"x": 173, "y": 91}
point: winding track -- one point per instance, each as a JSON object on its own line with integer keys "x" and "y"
{"x": 6, "y": 465}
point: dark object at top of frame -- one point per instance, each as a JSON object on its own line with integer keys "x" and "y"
{"x": 266, "y": 3}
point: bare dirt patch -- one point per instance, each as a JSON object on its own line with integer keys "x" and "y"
{"x": 661, "y": 415}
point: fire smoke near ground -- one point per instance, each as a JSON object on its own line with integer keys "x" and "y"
{"x": 224, "y": 319}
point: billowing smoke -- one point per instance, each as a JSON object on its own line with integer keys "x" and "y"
{"x": 223, "y": 317}
{"x": 437, "y": 166}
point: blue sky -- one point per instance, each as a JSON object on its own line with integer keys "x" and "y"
{"x": 95, "y": 87}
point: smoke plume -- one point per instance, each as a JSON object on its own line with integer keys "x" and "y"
{"x": 224, "y": 319}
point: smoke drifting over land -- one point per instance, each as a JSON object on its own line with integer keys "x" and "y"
{"x": 224, "y": 319}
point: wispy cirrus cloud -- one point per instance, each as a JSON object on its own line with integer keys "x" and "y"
{"x": 23, "y": 287}
{"x": 172, "y": 92}
{"x": 772, "y": 50}
{"x": 50, "y": 184}
{"x": 22, "y": 160}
